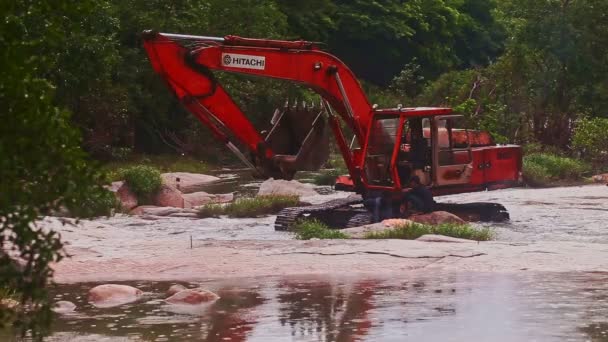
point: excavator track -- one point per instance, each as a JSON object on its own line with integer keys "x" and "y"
{"x": 335, "y": 213}
{"x": 348, "y": 213}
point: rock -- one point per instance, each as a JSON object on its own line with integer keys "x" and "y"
{"x": 442, "y": 238}
{"x": 603, "y": 178}
{"x": 192, "y": 297}
{"x": 196, "y": 199}
{"x": 284, "y": 187}
{"x": 175, "y": 288}
{"x": 188, "y": 182}
{"x": 361, "y": 232}
{"x": 436, "y": 218}
{"x": 115, "y": 186}
{"x": 127, "y": 198}
{"x": 108, "y": 295}
{"x": 63, "y": 306}
{"x": 169, "y": 196}
{"x": 160, "y": 211}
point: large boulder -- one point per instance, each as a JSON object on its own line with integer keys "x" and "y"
{"x": 169, "y": 196}
{"x": 187, "y": 182}
{"x": 196, "y": 199}
{"x": 108, "y": 295}
{"x": 128, "y": 199}
{"x": 284, "y": 187}
{"x": 192, "y": 297}
{"x": 437, "y": 218}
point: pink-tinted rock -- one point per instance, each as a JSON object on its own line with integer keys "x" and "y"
{"x": 127, "y": 198}
{"x": 192, "y": 297}
{"x": 188, "y": 182}
{"x": 603, "y": 178}
{"x": 436, "y": 218}
{"x": 197, "y": 199}
{"x": 442, "y": 238}
{"x": 284, "y": 187}
{"x": 108, "y": 295}
{"x": 169, "y": 196}
{"x": 64, "y": 306}
{"x": 175, "y": 289}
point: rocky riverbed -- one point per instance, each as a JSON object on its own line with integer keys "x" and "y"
{"x": 558, "y": 229}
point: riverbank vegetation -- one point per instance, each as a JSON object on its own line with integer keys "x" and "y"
{"x": 250, "y": 206}
{"x": 542, "y": 169}
{"x": 143, "y": 180}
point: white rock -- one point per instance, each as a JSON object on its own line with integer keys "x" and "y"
{"x": 188, "y": 182}
{"x": 284, "y": 187}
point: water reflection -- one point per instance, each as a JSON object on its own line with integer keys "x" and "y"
{"x": 429, "y": 307}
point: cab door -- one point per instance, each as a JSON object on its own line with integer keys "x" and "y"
{"x": 452, "y": 158}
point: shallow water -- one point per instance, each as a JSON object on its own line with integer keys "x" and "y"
{"x": 431, "y": 307}
{"x": 554, "y": 214}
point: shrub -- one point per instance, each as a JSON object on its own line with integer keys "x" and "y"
{"x": 413, "y": 231}
{"x": 541, "y": 168}
{"x": 328, "y": 177}
{"x": 590, "y": 139}
{"x": 310, "y": 229}
{"x": 143, "y": 180}
{"x": 250, "y": 207}
{"x": 95, "y": 205}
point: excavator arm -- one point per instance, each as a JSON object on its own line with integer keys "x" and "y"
{"x": 186, "y": 63}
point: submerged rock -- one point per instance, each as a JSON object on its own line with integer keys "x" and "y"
{"x": 284, "y": 187}
{"x": 175, "y": 289}
{"x": 108, "y": 295}
{"x": 437, "y": 218}
{"x": 197, "y": 199}
{"x": 192, "y": 297}
{"x": 169, "y": 196}
{"x": 187, "y": 182}
{"x": 64, "y": 306}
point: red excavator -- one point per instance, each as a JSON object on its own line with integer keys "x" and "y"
{"x": 388, "y": 146}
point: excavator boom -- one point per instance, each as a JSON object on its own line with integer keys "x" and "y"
{"x": 186, "y": 63}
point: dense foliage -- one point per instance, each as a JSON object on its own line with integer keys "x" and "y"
{"x": 42, "y": 167}
{"x": 525, "y": 71}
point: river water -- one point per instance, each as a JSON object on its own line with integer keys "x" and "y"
{"x": 431, "y": 307}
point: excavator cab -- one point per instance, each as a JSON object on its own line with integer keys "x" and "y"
{"x": 423, "y": 142}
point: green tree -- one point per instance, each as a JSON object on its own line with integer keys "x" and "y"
{"x": 42, "y": 167}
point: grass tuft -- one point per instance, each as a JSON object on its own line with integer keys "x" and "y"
{"x": 328, "y": 177}
{"x": 250, "y": 207}
{"x": 313, "y": 229}
{"x": 415, "y": 230}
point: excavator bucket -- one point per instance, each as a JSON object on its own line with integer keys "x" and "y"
{"x": 299, "y": 137}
